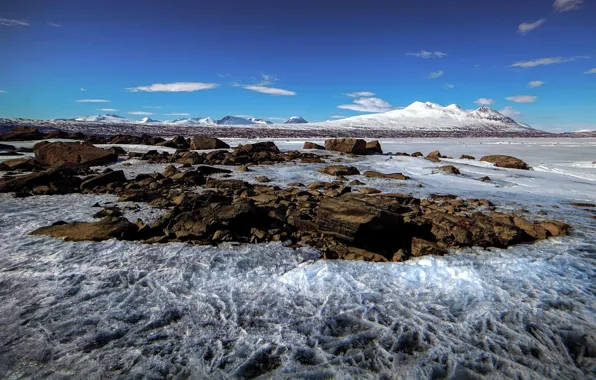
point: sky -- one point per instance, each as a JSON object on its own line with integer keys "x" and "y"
{"x": 533, "y": 60}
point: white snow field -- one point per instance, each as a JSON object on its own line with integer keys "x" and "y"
{"x": 127, "y": 310}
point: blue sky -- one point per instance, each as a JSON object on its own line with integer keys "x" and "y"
{"x": 317, "y": 59}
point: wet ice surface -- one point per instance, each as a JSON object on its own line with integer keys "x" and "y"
{"x": 122, "y": 309}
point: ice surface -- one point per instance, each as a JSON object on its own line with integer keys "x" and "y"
{"x": 122, "y": 309}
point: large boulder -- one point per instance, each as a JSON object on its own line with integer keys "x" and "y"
{"x": 204, "y": 142}
{"x": 73, "y": 153}
{"x": 503, "y": 161}
{"x": 346, "y": 145}
{"x": 56, "y": 134}
{"x": 311, "y": 145}
{"x": 105, "y": 229}
{"x": 104, "y": 179}
{"x": 22, "y": 134}
{"x": 265, "y": 146}
{"x": 374, "y": 147}
{"x": 339, "y": 170}
{"x": 421, "y": 247}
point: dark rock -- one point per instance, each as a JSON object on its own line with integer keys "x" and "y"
{"x": 311, "y": 145}
{"x": 262, "y": 179}
{"x": 374, "y": 174}
{"x": 7, "y": 147}
{"x": 266, "y": 146}
{"x": 204, "y": 142}
{"x": 25, "y": 163}
{"x": 346, "y": 145}
{"x": 503, "y": 161}
{"x": 61, "y": 153}
{"x": 417, "y": 154}
{"x": 374, "y": 147}
{"x": 449, "y": 169}
{"x": 22, "y": 134}
{"x": 421, "y": 247}
{"x": 56, "y": 134}
{"x": 339, "y": 170}
{"x": 105, "y": 229}
{"x": 48, "y": 182}
{"x": 466, "y": 157}
{"x": 104, "y": 179}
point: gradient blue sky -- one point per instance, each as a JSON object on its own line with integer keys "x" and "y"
{"x": 275, "y": 59}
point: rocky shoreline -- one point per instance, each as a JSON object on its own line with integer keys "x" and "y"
{"x": 205, "y": 207}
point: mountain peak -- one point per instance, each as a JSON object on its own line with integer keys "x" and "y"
{"x": 296, "y": 120}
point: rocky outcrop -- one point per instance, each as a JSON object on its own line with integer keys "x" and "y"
{"x": 467, "y": 157}
{"x": 22, "y": 134}
{"x": 104, "y": 179}
{"x": 46, "y": 183}
{"x": 25, "y": 163}
{"x": 72, "y": 153}
{"x": 449, "y": 169}
{"x": 56, "y": 134}
{"x": 204, "y": 142}
{"x": 374, "y": 147}
{"x": 355, "y": 146}
{"x": 503, "y": 161}
{"x": 311, "y": 145}
{"x": 105, "y": 229}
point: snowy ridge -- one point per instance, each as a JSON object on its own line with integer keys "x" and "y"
{"x": 296, "y": 120}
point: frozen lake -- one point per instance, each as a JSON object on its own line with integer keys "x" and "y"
{"x": 126, "y": 310}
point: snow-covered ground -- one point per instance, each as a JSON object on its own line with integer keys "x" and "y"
{"x": 122, "y": 309}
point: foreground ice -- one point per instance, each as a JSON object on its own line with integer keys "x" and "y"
{"x": 121, "y": 309}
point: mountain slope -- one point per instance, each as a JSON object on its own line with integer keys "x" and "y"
{"x": 296, "y": 120}
{"x": 107, "y": 118}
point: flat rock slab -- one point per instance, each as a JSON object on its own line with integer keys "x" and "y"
{"x": 74, "y": 153}
{"x": 105, "y": 229}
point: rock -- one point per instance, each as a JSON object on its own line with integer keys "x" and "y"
{"x": 503, "y": 161}
{"x": 555, "y": 228}
{"x": 104, "y": 179}
{"x": 449, "y": 169}
{"x": 262, "y": 179}
{"x": 105, "y": 229}
{"x": 117, "y": 151}
{"x": 74, "y": 153}
{"x": 421, "y": 247}
{"x": 346, "y": 145}
{"x": 204, "y": 142}
{"x": 374, "y": 147}
{"x": 48, "y": 182}
{"x": 466, "y": 157}
{"x": 310, "y": 145}
{"x": 578, "y": 204}
{"x": 369, "y": 190}
{"x": 56, "y": 134}
{"x": 206, "y": 170}
{"x": 374, "y": 174}
{"x": 339, "y": 170}
{"x": 484, "y": 179}
{"x": 434, "y": 156}
{"x": 7, "y": 147}
{"x": 180, "y": 142}
{"x": 417, "y": 154}
{"x": 108, "y": 211}
{"x": 170, "y": 171}
{"x": 25, "y": 163}
{"x": 266, "y": 146}
{"x": 230, "y": 184}
{"x": 356, "y": 183}
{"x": 22, "y": 134}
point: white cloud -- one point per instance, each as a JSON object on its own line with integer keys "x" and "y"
{"x": 82, "y": 89}
{"x": 368, "y": 105}
{"x": 449, "y": 86}
{"x": 547, "y": 61}
{"x": 591, "y": 71}
{"x": 267, "y": 79}
{"x": 522, "y": 98}
{"x": 107, "y": 109}
{"x": 526, "y": 27}
{"x": 566, "y": 5}
{"x": 269, "y": 90}
{"x": 510, "y": 112}
{"x": 176, "y": 114}
{"x": 11, "y": 22}
{"x": 2, "y": 91}
{"x": 141, "y": 113}
{"x": 92, "y": 101}
{"x": 54, "y": 25}
{"x": 337, "y": 117}
{"x": 435, "y": 74}
{"x": 535, "y": 83}
{"x": 484, "y": 101}
{"x": 360, "y": 94}
{"x": 427, "y": 54}
{"x": 153, "y": 107}
{"x": 174, "y": 87}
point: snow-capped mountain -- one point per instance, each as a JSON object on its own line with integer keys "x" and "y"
{"x": 428, "y": 116}
{"x": 193, "y": 121}
{"x": 234, "y": 120}
{"x": 258, "y": 121}
{"x": 147, "y": 120}
{"x": 296, "y": 120}
{"x": 107, "y": 118}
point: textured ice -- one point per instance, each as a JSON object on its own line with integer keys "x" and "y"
{"x": 128, "y": 310}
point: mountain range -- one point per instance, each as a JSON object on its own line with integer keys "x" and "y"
{"x": 227, "y": 120}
